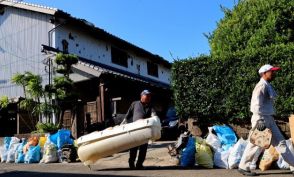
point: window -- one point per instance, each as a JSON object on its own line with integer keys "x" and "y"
{"x": 64, "y": 46}
{"x": 152, "y": 69}
{"x": 119, "y": 57}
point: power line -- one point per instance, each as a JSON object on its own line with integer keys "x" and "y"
{"x": 20, "y": 31}
{"x": 12, "y": 46}
{"x": 22, "y": 59}
{"x": 19, "y": 49}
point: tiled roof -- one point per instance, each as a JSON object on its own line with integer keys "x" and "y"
{"x": 95, "y": 68}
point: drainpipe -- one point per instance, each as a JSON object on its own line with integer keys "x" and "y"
{"x": 49, "y": 44}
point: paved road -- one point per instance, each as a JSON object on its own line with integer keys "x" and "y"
{"x": 78, "y": 170}
{"x": 157, "y": 164}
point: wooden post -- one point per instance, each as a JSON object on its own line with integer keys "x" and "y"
{"x": 17, "y": 123}
{"x": 74, "y": 124}
{"x": 291, "y": 125}
{"x": 98, "y": 110}
{"x": 17, "y": 118}
{"x": 102, "y": 99}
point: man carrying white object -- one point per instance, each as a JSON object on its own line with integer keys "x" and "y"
{"x": 262, "y": 107}
{"x": 139, "y": 110}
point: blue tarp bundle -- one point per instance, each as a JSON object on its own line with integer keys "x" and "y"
{"x": 226, "y": 135}
{"x": 33, "y": 155}
{"x": 19, "y": 151}
{"x": 7, "y": 142}
{"x": 61, "y": 137}
{"x": 188, "y": 153}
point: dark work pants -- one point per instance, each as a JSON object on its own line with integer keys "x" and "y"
{"x": 142, "y": 154}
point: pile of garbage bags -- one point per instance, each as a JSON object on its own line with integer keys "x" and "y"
{"x": 58, "y": 147}
{"x": 221, "y": 149}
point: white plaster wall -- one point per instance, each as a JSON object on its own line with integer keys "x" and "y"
{"x": 97, "y": 50}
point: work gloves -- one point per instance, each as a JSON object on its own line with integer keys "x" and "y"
{"x": 260, "y": 125}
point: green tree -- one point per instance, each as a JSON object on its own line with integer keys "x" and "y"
{"x": 65, "y": 97}
{"x": 38, "y": 100}
{"x": 252, "y": 24}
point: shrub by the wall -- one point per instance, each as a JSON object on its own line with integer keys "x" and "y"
{"x": 220, "y": 90}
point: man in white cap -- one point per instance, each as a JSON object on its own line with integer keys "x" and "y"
{"x": 262, "y": 107}
{"x": 139, "y": 110}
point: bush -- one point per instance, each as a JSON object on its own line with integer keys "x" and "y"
{"x": 46, "y": 128}
{"x": 220, "y": 90}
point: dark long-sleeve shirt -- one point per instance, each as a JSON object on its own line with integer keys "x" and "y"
{"x": 139, "y": 111}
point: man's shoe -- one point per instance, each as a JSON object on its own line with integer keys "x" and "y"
{"x": 140, "y": 167}
{"x": 131, "y": 165}
{"x": 246, "y": 173}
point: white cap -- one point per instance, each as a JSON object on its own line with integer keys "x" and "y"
{"x": 268, "y": 67}
{"x": 145, "y": 92}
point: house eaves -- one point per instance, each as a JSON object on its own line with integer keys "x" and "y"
{"x": 95, "y": 69}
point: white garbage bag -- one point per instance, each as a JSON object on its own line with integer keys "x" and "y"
{"x": 213, "y": 141}
{"x": 221, "y": 158}
{"x": 3, "y": 153}
{"x": 11, "y": 153}
{"x": 282, "y": 164}
{"x": 50, "y": 153}
{"x": 14, "y": 143}
{"x": 236, "y": 153}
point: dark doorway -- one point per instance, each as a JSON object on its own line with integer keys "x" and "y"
{"x": 8, "y": 120}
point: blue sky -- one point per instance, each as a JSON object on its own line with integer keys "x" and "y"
{"x": 169, "y": 28}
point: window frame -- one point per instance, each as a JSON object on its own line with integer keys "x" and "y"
{"x": 151, "y": 67}
{"x": 119, "y": 57}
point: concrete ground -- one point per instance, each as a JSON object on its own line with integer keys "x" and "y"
{"x": 158, "y": 163}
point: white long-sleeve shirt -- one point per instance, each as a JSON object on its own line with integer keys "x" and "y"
{"x": 263, "y": 96}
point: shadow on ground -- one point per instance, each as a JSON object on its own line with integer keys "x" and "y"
{"x": 153, "y": 168}
{"x": 273, "y": 173}
{"x": 44, "y": 174}
{"x": 161, "y": 145}
{"x": 188, "y": 168}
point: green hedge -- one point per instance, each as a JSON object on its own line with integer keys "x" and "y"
{"x": 217, "y": 88}
{"x": 220, "y": 90}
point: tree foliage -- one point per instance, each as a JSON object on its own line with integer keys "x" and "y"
{"x": 63, "y": 85}
{"x": 253, "y": 24}
{"x": 38, "y": 98}
{"x": 4, "y": 101}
